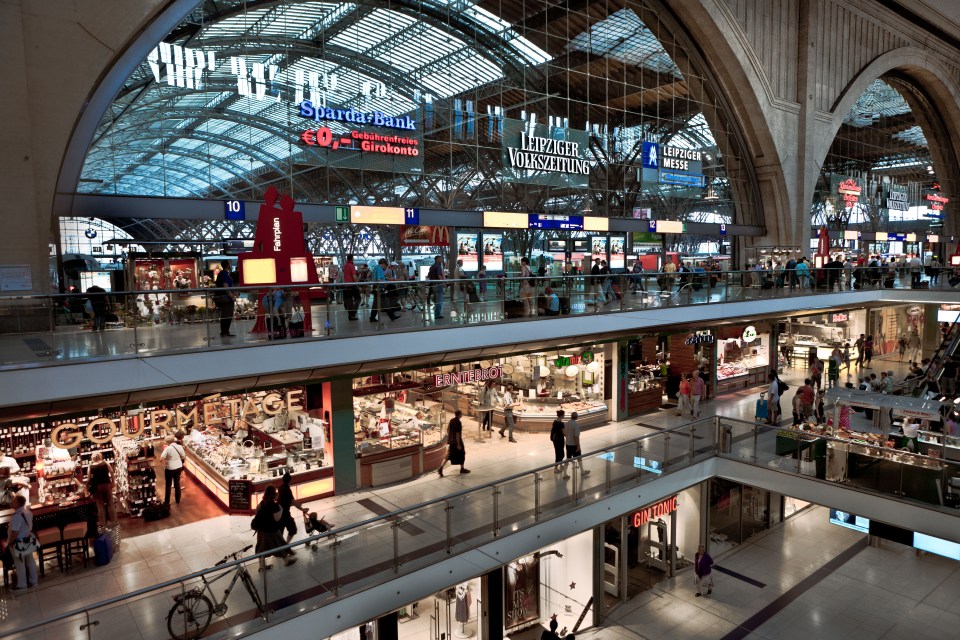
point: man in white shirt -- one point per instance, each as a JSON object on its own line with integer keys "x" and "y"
{"x": 173, "y": 456}
{"x": 571, "y": 435}
{"x": 508, "y": 406}
{"x": 9, "y": 462}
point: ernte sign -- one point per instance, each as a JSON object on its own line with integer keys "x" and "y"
{"x": 658, "y": 510}
{"x": 470, "y": 375}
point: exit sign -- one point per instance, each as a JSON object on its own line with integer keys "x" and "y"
{"x": 343, "y": 214}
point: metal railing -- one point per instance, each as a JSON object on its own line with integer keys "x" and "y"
{"x": 58, "y": 327}
{"x": 353, "y": 558}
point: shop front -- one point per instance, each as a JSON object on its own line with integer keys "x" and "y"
{"x": 650, "y": 544}
{"x": 801, "y": 339}
{"x": 743, "y": 356}
{"x": 647, "y": 357}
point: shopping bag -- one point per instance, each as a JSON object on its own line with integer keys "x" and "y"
{"x": 762, "y": 409}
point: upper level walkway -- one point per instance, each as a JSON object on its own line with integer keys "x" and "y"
{"x": 184, "y": 355}
{"x": 442, "y": 531}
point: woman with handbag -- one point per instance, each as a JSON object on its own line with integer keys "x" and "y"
{"x": 23, "y": 544}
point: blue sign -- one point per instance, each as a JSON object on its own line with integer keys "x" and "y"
{"x": 234, "y": 210}
{"x": 651, "y": 155}
{"x": 723, "y": 229}
{"x": 411, "y": 216}
{"x": 647, "y": 465}
{"x": 547, "y": 221}
{"x": 652, "y": 225}
{"x": 319, "y": 113}
{"x": 608, "y": 456}
{"x": 684, "y": 179}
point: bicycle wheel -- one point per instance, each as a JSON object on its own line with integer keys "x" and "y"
{"x": 189, "y": 618}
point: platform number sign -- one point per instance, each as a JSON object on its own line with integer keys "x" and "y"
{"x": 234, "y": 210}
{"x": 411, "y": 216}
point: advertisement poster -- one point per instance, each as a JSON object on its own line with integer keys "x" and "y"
{"x": 521, "y": 592}
{"x": 598, "y": 247}
{"x": 424, "y": 236}
{"x": 467, "y": 250}
{"x": 492, "y": 251}
{"x": 616, "y": 252}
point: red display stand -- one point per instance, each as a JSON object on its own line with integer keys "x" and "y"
{"x": 279, "y": 255}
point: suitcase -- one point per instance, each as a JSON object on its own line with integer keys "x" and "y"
{"x": 155, "y": 512}
{"x": 762, "y": 413}
{"x": 296, "y": 329}
{"x": 103, "y": 549}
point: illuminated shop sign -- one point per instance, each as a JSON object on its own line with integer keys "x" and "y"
{"x": 362, "y": 141}
{"x": 936, "y": 201}
{"x": 658, "y": 510}
{"x": 701, "y": 337}
{"x": 319, "y": 113}
{"x": 850, "y": 191}
{"x": 565, "y": 361}
{"x": 101, "y": 430}
{"x": 469, "y": 375}
{"x": 839, "y": 317}
{"x": 749, "y": 334}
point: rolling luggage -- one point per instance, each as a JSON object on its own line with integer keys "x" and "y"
{"x": 103, "y": 549}
{"x": 762, "y": 409}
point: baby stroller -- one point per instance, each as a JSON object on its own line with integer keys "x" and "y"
{"x": 314, "y": 525}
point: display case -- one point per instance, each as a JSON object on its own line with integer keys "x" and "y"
{"x": 644, "y": 391}
{"x": 383, "y": 423}
{"x": 538, "y": 414}
{"x": 936, "y": 444}
{"x": 236, "y": 471}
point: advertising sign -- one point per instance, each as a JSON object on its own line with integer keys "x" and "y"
{"x": 521, "y": 592}
{"x": 424, "y": 236}
{"x": 467, "y": 250}
{"x": 669, "y": 165}
{"x": 492, "y": 251}
{"x": 540, "y": 154}
{"x": 850, "y": 521}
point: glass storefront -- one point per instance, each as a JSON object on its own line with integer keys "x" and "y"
{"x": 743, "y": 356}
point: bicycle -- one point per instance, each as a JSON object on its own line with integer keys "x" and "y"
{"x": 414, "y": 299}
{"x": 193, "y": 610}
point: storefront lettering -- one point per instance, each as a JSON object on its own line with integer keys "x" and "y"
{"x": 700, "y": 338}
{"x": 565, "y": 361}
{"x": 936, "y": 202}
{"x": 897, "y": 201}
{"x": 162, "y": 421}
{"x": 850, "y": 191}
{"x": 658, "y": 510}
{"x": 277, "y": 245}
{"x": 470, "y": 375}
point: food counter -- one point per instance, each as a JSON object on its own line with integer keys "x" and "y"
{"x": 732, "y": 376}
{"x": 395, "y": 440}
{"x": 537, "y": 414}
{"x": 886, "y": 470}
{"x": 57, "y": 515}
{"x": 936, "y": 444}
{"x": 236, "y": 474}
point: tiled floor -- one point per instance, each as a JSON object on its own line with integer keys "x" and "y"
{"x": 154, "y": 556}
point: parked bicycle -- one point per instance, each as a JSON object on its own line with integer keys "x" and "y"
{"x": 193, "y": 610}
{"x": 416, "y": 297}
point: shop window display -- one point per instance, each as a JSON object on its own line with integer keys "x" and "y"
{"x": 743, "y": 360}
{"x": 398, "y": 410}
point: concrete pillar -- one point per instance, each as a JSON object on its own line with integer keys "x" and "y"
{"x": 338, "y": 397}
{"x": 490, "y": 620}
{"x": 928, "y": 334}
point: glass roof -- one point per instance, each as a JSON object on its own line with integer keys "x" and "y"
{"x": 880, "y": 100}
{"x": 623, "y": 36}
{"x": 161, "y": 138}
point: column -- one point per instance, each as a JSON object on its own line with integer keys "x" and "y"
{"x": 490, "y": 616}
{"x": 338, "y": 403}
{"x": 928, "y": 335}
{"x": 620, "y": 386}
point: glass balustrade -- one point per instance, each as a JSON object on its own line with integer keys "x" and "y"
{"x": 57, "y": 328}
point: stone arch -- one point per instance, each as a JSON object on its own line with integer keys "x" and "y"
{"x": 723, "y": 51}
{"x": 926, "y": 72}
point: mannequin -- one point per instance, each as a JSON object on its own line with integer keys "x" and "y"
{"x": 462, "y": 611}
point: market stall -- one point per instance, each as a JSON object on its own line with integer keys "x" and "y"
{"x": 743, "y": 357}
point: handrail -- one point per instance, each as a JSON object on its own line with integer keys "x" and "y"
{"x": 336, "y": 533}
{"x": 688, "y": 455}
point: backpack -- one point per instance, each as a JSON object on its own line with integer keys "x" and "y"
{"x": 782, "y": 387}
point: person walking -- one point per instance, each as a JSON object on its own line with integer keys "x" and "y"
{"x": 699, "y": 389}
{"x": 435, "y": 274}
{"x": 859, "y": 345}
{"x": 914, "y": 344}
{"x": 224, "y": 300}
{"x": 101, "y": 489}
{"x": 456, "y": 452}
{"x": 527, "y": 287}
{"x": 482, "y": 282}
{"x": 100, "y": 305}
{"x": 902, "y": 346}
{"x": 816, "y": 373}
{"x": 351, "y": 294}
{"x": 558, "y": 438}
{"x": 488, "y": 400}
{"x": 571, "y": 434}
{"x": 683, "y": 395}
{"x": 508, "y": 405}
{"x": 267, "y": 522}
{"x": 172, "y": 456}
{"x": 807, "y": 397}
{"x": 286, "y": 500}
{"x": 703, "y": 568}
{"x": 22, "y": 544}
{"x": 773, "y": 404}
{"x": 833, "y": 370}
{"x": 868, "y": 352}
